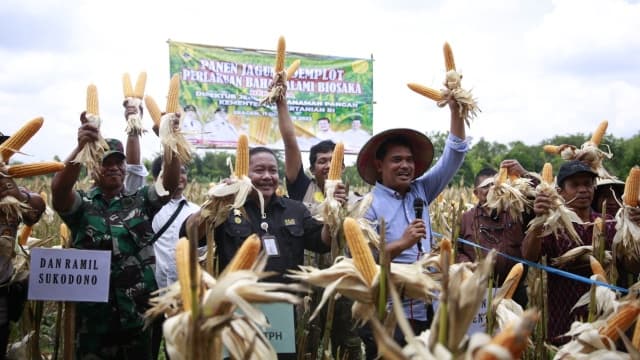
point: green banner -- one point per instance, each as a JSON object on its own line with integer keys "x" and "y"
{"x": 221, "y": 88}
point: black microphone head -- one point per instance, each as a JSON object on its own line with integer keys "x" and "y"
{"x": 418, "y": 206}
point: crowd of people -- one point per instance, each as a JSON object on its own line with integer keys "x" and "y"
{"x": 140, "y": 225}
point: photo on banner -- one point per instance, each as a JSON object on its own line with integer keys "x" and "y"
{"x": 220, "y": 91}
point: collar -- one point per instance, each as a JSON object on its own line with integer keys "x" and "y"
{"x": 96, "y": 192}
{"x": 275, "y": 201}
{"x": 391, "y": 192}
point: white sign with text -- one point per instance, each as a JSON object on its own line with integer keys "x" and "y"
{"x": 69, "y": 275}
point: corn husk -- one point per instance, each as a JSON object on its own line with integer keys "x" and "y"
{"x": 467, "y": 104}
{"x": 91, "y": 154}
{"x": 578, "y": 256}
{"x": 626, "y": 241}
{"x": 134, "y": 121}
{"x": 508, "y": 196}
{"x": 559, "y": 219}
{"x": 172, "y": 138}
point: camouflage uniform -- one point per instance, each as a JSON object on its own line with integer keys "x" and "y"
{"x": 122, "y": 226}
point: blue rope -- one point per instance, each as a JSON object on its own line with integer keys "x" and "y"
{"x": 548, "y": 269}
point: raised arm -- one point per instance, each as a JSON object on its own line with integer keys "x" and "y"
{"x": 292, "y": 156}
{"x": 63, "y": 181}
{"x": 457, "y": 124}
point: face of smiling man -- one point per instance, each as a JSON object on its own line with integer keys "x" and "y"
{"x": 263, "y": 172}
{"x": 112, "y": 173}
{"x": 397, "y": 168}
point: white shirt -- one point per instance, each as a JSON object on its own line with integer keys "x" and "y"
{"x": 165, "y": 246}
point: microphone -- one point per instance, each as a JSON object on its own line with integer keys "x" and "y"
{"x": 418, "y": 207}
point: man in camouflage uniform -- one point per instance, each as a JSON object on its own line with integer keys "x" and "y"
{"x": 108, "y": 218}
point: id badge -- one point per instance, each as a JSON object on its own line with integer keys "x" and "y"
{"x": 270, "y": 245}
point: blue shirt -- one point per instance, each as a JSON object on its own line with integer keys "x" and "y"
{"x": 398, "y": 212}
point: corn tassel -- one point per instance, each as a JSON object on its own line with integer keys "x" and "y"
{"x": 141, "y": 83}
{"x": 292, "y": 69}
{"x": 515, "y": 273}
{"x": 280, "y": 54}
{"x": 632, "y": 187}
{"x": 19, "y": 138}
{"x": 242, "y": 157}
{"x": 34, "y": 169}
{"x": 551, "y": 149}
{"x": 154, "y": 110}
{"x": 92, "y": 100}
{"x": 597, "y": 269}
{"x": 337, "y": 158}
{"x": 24, "y": 235}
{"x": 432, "y": 94}
{"x": 246, "y": 255}
{"x": 362, "y": 256}
{"x": 597, "y": 136}
{"x": 622, "y": 320}
{"x": 448, "y": 57}
{"x": 127, "y": 89}
{"x": 173, "y": 100}
{"x": 547, "y": 173}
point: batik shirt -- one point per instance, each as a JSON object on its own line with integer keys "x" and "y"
{"x": 121, "y": 225}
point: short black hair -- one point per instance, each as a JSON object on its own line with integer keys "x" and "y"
{"x": 486, "y": 172}
{"x": 261, "y": 149}
{"x": 382, "y": 149}
{"x": 321, "y": 147}
{"x": 156, "y": 167}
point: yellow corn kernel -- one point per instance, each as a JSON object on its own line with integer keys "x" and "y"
{"x": 597, "y": 269}
{"x": 597, "y": 136}
{"x": 514, "y": 337}
{"x": 280, "y": 54}
{"x": 24, "y": 235}
{"x": 635, "y": 341}
{"x": 515, "y": 273}
{"x": 19, "y": 138}
{"x": 450, "y": 64}
{"x": 153, "y": 109}
{"x": 65, "y": 236}
{"x": 173, "y": 97}
{"x": 621, "y": 320}
{"x": 34, "y": 169}
{"x": 547, "y": 173}
{"x": 92, "y": 100}
{"x": 433, "y": 94}
{"x": 182, "y": 267}
{"x": 359, "y": 249}
{"x": 127, "y": 89}
{"x": 293, "y": 68}
{"x": 246, "y": 255}
{"x": 242, "y": 156}
{"x": 551, "y": 149}
{"x": 502, "y": 176}
{"x": 632, "y": 187}
{"x": 337, "y": 159}
{"x": 141, "y": 83}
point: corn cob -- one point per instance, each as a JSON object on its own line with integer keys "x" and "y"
{"x": 92, "y": 100}
{"x": 635, "y": 341}
{"x": 173, "y": 101}
{"x": 432, "y": 94}
{"x": 182, "y": 267}
{"x": 547, "y": 173}
{"x": 445, "y": 248}
{"x": 621, "y": 320}
{"x": 337, "y": 158}
{"x": 597, "y": 136}
{"x": 362, "y": 257}
{"x": 280, "y": 54}
{"x": 154, "y": 110}
{"x": 65, "y": 236}
{"x": 293, "y": 68}
{"x": 34, "y": 169}
{"x": 632, "y": 187}
{"x": 551, "y": 149}
{"x": 24, "y": 235}
{"x": 515, "y": 273}
{"x": 246, "y": 255}
{"x": 127, "y": 89}
{"x": 17, "y": 140}
{"x": 502, "y": 176}
{"x": 514, "y": 338}
{"x": 597, "y": 269}
{"x": 141, "y": 83}
{"x": 448, "y": 57}
{"x": 242, "y": 156}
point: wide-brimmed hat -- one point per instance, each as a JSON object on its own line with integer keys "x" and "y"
{"x": 603, "y": 184}
{"x": 115, "y": 148}
{"x": 420, "y": 144}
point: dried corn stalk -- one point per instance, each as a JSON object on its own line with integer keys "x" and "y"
{"x": 134, "y": 98}
{"x": 559, "y": 219}
{"x": 91, "y": 154}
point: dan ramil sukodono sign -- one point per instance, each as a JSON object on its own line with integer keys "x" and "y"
{"x": 69, "y": 275}
{"x": 328, "y": 97}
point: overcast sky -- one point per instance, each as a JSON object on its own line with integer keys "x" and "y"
{"x": 537, "y": 67}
